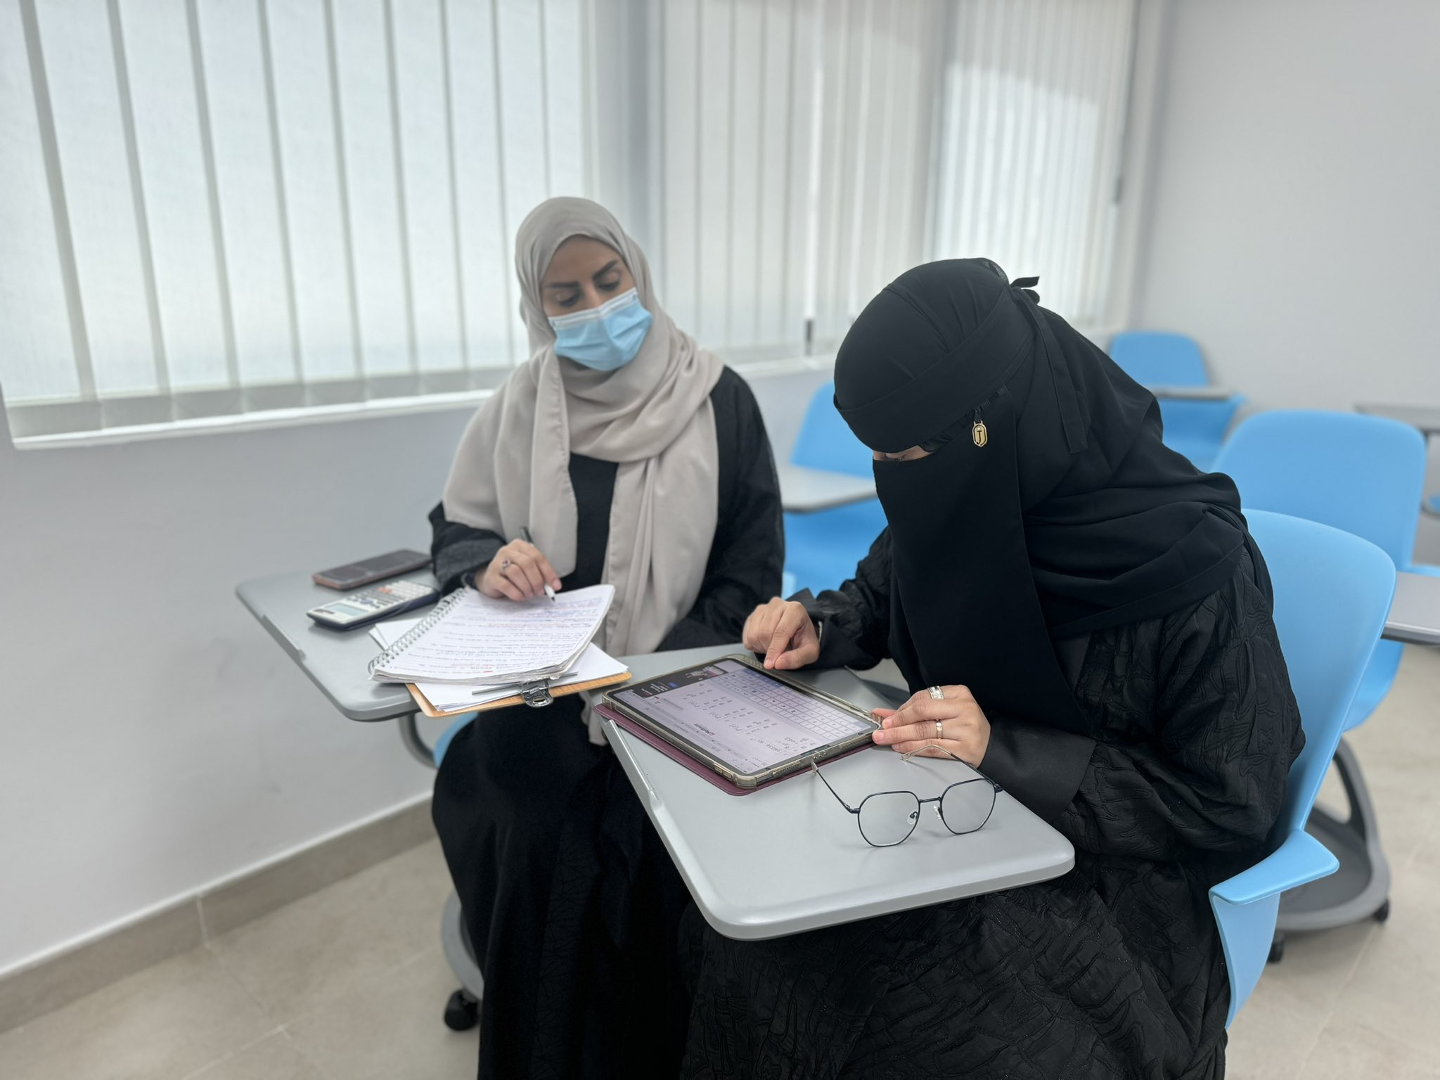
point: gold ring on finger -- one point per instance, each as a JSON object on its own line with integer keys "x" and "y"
{"x": 939, "y": 729}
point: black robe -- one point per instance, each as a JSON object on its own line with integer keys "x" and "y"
{"x": 1115, "y": 969}
{"x": 569, "y": 896}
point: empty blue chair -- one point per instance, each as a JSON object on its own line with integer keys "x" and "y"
{"x": 1363, "y": 474}
{"x": 1332, "y": 593}
{"x": 1158, "y": 358}
{"x": 822, "y": 549}
{"x": 1155, "y": 358}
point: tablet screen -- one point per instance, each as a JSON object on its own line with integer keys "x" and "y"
{"x": 741, "y": 716}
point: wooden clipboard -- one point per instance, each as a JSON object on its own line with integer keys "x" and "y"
{"x": 516, "y": 699}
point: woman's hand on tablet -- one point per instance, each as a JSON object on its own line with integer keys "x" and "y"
{"x": 955, "y": 722}
{"x": 782, "y": 631}
{"x": 518, "y": 572}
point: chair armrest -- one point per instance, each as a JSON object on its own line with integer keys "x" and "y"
{"x": 1301, "y": 858}
{"x": 1426, "y": 569}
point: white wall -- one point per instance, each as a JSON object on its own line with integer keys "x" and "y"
{"x": 1295, "y": 214}
{"x": 155, "y": 739}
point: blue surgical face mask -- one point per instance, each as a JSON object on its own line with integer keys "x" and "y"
{"x": 606, "y": 337}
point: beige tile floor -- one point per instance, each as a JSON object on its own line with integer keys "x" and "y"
{"x": 350, "y": 982}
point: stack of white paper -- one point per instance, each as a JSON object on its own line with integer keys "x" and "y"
{"x": 594, "y": 663}
{"x": 473, "y": 639}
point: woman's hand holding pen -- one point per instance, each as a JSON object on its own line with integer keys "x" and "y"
{"x": 518, "y": 571}
{"x": 955, "y": 722}
{"x": 783, "y": 631}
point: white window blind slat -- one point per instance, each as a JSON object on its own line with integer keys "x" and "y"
{"x": 424, "y": 153}
{"x": 37, "y": 351}
{"x": 233, "y": 65}
{"x": 310, "y": 174}
{"x": 679, "y": 158}
{"x": 100, "y": 202}
{"x": 489, "y": 297}
{"x": 172, "y": 168}
{"x": 374, "y": 223}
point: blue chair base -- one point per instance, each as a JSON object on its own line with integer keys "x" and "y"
{"x": 1431, "y": 505}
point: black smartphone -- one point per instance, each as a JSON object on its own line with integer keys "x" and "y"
{"x": 353, "y": 575}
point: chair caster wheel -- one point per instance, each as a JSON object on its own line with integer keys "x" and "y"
{"x": 1382, "y": 912}
{"x": 1277, "y": 952}
{"x": 462, "y": 1012}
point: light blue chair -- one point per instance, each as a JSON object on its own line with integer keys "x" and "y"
{"x": 1155, "y": 358}
{"x": 1332, "y": 593}
{"x": 1362, "y": 474}
{"x": 823, "y": 548}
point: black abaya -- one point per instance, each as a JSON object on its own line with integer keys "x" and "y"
{"x": 1115, "y": 969}
{"x": 568, "y": 895}
{"x": 1105, "y": 605}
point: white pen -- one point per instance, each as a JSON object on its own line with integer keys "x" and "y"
{"x": 525, "y": 535}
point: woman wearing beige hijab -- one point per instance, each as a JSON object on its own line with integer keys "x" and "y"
{"x": 633, "y": 457}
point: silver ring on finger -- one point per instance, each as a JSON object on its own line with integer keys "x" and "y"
{"x": 504, "y": 565}
{"x": 936, "y": 693}
{"x": 939, "y": 729}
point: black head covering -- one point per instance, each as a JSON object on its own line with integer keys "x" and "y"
{"x": 1049, "y": 506}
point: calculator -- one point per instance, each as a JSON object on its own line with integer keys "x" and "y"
{"x": 380, "y": 602}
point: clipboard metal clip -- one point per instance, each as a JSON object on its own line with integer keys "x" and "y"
{"x": 536, "y": 694}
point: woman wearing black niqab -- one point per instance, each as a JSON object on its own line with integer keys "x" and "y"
{"x": 1097, "y": 622}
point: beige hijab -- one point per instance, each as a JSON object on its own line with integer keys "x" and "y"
{"x": 652, "y": 416}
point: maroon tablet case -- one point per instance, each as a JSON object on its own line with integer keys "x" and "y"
{"x": 674, "y": 753}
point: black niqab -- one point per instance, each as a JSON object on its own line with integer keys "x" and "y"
{"x": 1050, "y": 508}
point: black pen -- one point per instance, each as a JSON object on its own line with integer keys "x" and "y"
{"x": 525, "y": 535}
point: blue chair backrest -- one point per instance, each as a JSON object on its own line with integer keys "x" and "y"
{"x": 826, "y": 441}
{"x": 1332, "y": 595}
{"x": 1363, "y": 474}
{"x": 1157, "y": 358}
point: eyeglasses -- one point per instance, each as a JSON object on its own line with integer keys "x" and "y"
{"x": 887, "y": 818}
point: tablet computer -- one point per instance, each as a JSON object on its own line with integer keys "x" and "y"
{"x": 747, "y": 724}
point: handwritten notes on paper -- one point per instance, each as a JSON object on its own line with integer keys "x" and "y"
{"x": 479, "y": 640}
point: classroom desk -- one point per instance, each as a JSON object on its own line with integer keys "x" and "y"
{"x": 1424, "y": 417}
{"x": 1415, "y": 612}
{"x": 1193, "y": 393}
{"x": 335, "y": 661}
{"x": 808, "y": 491}
{"x": 788, "y": 858}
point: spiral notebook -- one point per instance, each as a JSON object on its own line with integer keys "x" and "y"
{"x": 473, "y": 639}
{"x": 594, "y": 670}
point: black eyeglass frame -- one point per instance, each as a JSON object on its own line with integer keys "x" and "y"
{"x": 978, "y": 778}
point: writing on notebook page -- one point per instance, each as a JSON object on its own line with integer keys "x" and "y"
{"x": 480, "y": 639}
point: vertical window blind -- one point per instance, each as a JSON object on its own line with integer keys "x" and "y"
{"x": 217, "y": 207}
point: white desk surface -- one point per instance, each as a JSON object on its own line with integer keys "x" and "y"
{"x": 1415, "y": 612}
{"x": 789, "y": 858}
{"x": 1424, "y": 417}
{"x": 1192, "y": 393}
{"x": 807, "y": 491}
{"x": 335, "y": 661}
